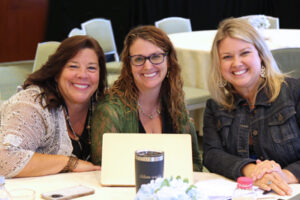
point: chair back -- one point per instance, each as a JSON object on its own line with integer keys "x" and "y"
{"x": 174, "y": 25}
{"x": 101, "y": 30}
{"x": 258, "y": 21}
{"x": 76, "y": 31}
{"x": 12, "y": 76}
{"x": 274, "y": 22}
{"x": 43, "y": 51}
{"x": 288, "y": 60}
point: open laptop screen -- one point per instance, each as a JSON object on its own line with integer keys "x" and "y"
{"x": 118, "y": 156}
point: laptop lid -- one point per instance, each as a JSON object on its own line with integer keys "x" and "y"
{"x": 118, "y": 163}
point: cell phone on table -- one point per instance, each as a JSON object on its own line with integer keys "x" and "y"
{"x": 68, "y": 193}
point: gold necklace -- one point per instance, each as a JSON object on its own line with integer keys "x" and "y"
{"x": 150, "y": 116}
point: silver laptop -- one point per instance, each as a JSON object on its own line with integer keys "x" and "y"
{"x": 118, "y": 150}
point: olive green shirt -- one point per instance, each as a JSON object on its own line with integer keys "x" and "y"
{"x": 112, "y": 116}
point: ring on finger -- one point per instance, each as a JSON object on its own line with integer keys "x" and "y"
{"x": 269, "y": 182}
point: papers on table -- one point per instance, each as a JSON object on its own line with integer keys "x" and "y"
{"x": 222, "y": 189}
{"x": 217, "y": 189}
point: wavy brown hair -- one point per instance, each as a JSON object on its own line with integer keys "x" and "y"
{"x": 45, "y": 76}
{"x": 171, "y": 92}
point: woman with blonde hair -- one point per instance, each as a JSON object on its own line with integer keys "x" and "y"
{"x": 148, "y": 96}
{"x": 251, "y": 124}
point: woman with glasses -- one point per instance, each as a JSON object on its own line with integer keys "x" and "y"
{"x": 148, "y": 96}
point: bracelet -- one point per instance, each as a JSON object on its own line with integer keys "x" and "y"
{"x": 72, "y": 164}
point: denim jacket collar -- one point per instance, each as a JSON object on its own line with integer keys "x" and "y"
{"x": 261, "y": 99}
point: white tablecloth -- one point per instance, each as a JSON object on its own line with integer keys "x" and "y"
{"x": 92, "y": 179}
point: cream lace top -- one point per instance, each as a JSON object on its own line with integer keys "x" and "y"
{"x": 26, "y": 127}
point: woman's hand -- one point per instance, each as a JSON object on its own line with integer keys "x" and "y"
{"x": 84, "y": 166}
{"x": 276, "y": 181}
{"x": 268, "y": 175}
{"x": 264, "y": 167}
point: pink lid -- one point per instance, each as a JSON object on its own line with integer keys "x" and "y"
{"x": 244, "y": 182}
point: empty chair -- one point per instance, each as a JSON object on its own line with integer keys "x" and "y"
{"x": 262, "y": 21}
{"x": 195, "y": 98}
{"x": 174, "y": 25}
{"x": 101, "y": 30}
{"x": 274, "y": 22}
{"x": 43, "y": 51}
{"x": 288, "y": 60}
{"x": 76, "y": 31}
{"x": 13, "y": 75}
{"x": 114, "y": 67}
{"x": 111, "y": 78}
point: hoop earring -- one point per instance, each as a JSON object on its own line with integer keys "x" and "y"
{"x": 222, "y": 83}
{"x": 263, "y": 72}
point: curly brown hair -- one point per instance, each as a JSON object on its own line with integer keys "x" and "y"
{"x": 171, "y": 92}
{"x": 45, "y": 76}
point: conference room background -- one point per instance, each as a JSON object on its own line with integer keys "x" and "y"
{"x": 63, "y": 15}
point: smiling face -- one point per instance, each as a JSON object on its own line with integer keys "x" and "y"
{"x": 147, "y": 76}
{"x": 79, "y": 78}
{"x": 240, "y": 64}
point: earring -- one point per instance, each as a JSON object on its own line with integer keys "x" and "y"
{"x": 263, "y": 72}
{"x": 168, "y": 74}
{"x": 221, "y": 83}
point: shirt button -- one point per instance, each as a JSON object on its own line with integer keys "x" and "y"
{"x": 280, "y": 117}
{"x": 255, "y": 133}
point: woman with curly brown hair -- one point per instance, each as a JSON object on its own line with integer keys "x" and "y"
{"x": 45, "y": 128}
{"x": 148, "y": 96}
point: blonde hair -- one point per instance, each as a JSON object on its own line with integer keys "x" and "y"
{"x": 171, "y": 92}
{"x": 241, "y": 29}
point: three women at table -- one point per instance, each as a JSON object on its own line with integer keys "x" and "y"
{"x": 252, "y": 122}
{"x": 45, "y": 128}
{"x": 148, "y": 95}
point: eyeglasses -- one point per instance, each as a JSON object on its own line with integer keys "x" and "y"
{"x": 155, "y": 59}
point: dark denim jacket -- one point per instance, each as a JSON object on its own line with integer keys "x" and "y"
{"x": 274, "y": 127}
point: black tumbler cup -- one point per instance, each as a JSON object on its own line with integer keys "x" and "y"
{"x": 149, "y": 165}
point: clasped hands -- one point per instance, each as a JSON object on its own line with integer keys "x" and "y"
{"x": 268, "y": 175}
